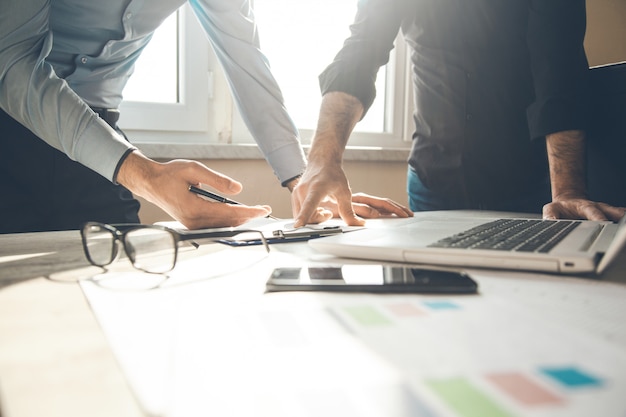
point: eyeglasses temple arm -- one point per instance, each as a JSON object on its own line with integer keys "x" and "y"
{"x": 218, "y": 235}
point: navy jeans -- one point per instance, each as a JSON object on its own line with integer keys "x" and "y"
{"x": 423, "y": 199}
{"x": 41, "y": 189}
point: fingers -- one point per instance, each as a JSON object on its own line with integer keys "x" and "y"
{"x": 170, "y": 191}
{"x": 365, "y": 211}
{"x": 592, "y": 212}
{"x": 206, "y": 214}
{"x": 582, "y": 209}
{"x": 197, "y": 173}
{"x": 320, "y": 216}
{"x": 371, "y": 206}
{"x": 346, "y": 211}
{"x": 572, "y": 209}
{"x": 611, "y": 212}
{"x": 360, "y": 206}
{"x": 332, "y": 206}
{"x": 309, "y": 211}
{"x": 550, "y": 212}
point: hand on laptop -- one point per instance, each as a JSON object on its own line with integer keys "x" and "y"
{"x": 566, "y": 150}
{"x": 580, "y": 208}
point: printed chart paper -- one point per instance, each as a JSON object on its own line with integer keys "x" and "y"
{"x": 527, "y": 345}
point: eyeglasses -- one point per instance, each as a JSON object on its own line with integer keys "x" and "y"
{"x": 150, "y": 248}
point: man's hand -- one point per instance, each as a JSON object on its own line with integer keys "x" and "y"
{"x": 578, "y": 208}
{"x": 324, "y": 177}
{"x": 323, "y": 184}
{"x": 370, "y": 207}
{"x": 315, "y": 199}
{"x": 566, "y": 155}
{"x": 323, "y": 190}
{"x": 167, "y": 186}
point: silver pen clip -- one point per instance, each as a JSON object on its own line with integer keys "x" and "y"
{"x": 298, "y": 233}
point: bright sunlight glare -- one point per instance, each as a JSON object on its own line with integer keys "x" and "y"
{"x": 300, "y": 38}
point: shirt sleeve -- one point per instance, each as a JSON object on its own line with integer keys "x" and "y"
{"x": 556, "y": 31}
{"x": 354, "y": 69}
{"x": 33, "y": 95}
{"x": 232, "y": 30}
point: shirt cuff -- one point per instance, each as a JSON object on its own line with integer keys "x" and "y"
{"x": 358, "y": 84}
{"x": 288, "y": 162}
{"x": 102, "y": 149}
{"x": 119, "y": 164}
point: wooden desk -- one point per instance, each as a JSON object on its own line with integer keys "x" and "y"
{"x": 54, "y": 358}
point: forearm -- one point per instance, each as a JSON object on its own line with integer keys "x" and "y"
{"x": 135, "y": 172}
{"x": 148, "y": 179}
{"x": 566, "y": 156}
{"x": 339, "y": 113}
{"x": 324, "y": 176}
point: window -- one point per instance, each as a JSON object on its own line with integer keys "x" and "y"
{"x": 300, "y": 40}
{"x": 158, "y": 66}
{"x": 169, "y": 90}
{"x": 193, "y": 104}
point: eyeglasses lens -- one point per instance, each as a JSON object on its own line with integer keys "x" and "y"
{"x": 99, "y": 244}
{"x": 151, "y": 250}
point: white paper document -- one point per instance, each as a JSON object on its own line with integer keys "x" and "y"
{"x": 210, "y": 342}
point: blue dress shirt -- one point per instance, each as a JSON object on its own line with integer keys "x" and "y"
{"x": 59, "y": 57}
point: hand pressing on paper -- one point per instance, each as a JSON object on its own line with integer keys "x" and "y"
{"x": 323, "y": 192}
{"x": 167, "y": 186}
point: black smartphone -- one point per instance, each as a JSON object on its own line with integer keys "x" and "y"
{"x": 371, "y": 278}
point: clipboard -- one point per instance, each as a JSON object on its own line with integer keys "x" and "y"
{"x": 287, "y": 236}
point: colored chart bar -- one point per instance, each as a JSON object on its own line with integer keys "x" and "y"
{"x": 523, "y": 389}
{"x": 465, "y": 399}
{"x": 367, "y": 315}
{"x": 441, "y": 305}
{"x": 571, "y": 377}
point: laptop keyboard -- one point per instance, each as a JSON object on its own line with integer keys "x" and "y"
{"x": 511, "y": 235}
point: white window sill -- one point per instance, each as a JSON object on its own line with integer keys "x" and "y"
{"x": 245, "y": 151}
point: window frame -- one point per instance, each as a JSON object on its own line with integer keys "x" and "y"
{"x": 207, "y": 116}
{"x": 190, "y": 113}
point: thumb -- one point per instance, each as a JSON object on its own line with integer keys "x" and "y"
{"x": 549, "y": 212}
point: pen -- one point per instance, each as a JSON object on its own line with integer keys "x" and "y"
{"x": 216, "y": 197}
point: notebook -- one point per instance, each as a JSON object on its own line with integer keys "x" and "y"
{"x": 458, "y": 239}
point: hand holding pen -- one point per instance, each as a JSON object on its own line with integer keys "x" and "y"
{"x": 217, "y": 197}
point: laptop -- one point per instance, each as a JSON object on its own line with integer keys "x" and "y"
{"x": 458, "y": 238}
{"x": 588, "y": 248}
